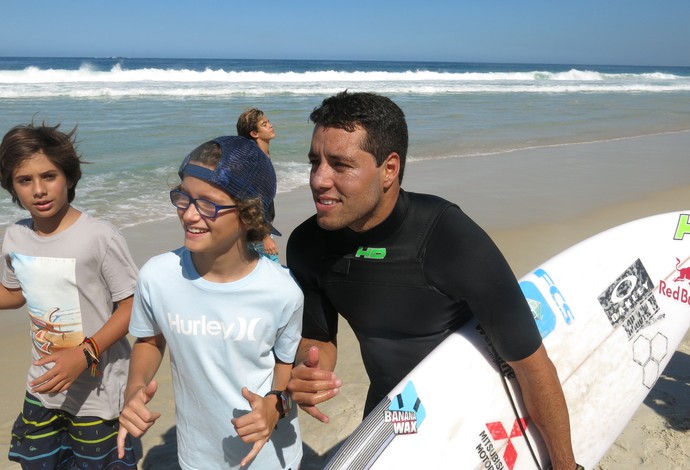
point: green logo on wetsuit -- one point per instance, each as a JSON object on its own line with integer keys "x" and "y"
{"x": 370, "y": 253}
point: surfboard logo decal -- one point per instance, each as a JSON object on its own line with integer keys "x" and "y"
{"x": 629, "y": 301}
{"x": 648, "y": 353}
{"x": 683, "y": 226}
{"x": 541, "y": 311}
{"x": 406, "y": 411}
{"x": 677, "y": 293}
{"x": 487, "y": 449}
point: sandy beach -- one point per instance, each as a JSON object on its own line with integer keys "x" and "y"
{"x": 534, "y": 203}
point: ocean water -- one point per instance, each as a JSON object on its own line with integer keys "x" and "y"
{"x": 137, "y": 118}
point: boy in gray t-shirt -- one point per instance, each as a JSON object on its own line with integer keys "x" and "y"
{"x": 77, "y": 278}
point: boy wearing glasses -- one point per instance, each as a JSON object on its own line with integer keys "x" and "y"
{"x": 232, "y": 320}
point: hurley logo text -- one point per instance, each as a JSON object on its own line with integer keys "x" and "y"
{"x": 239, "y": 330}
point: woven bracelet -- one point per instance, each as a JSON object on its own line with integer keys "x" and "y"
{"x": 95, "y": 356}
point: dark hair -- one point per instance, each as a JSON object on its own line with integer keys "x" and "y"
{"x": 24, "y": 141}
{"x": 250, "y": 210}
{"x": 382, "y": 119}
{"x": 248, "y": 122}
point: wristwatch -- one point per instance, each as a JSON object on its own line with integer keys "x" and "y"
{"x": 284, "y": 404}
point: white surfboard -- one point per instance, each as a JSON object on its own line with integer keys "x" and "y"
{"x": 611, "y": 310}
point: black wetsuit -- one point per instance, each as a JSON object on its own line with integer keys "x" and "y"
{"x": 406, "y": 284}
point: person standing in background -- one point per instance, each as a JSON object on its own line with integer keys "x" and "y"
{"x": 253, "y": 124}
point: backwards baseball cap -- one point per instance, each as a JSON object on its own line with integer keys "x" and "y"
{"x": 243, "y": 171}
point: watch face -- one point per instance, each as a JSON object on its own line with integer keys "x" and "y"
{"x": 287, "y": 403}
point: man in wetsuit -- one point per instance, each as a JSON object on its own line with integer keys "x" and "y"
{"x": 404, "y": 269}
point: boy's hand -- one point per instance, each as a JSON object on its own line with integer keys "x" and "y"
{"x": 68, "y": 364}
{"x": 136, "y": 418}
{"x": 257, "y": 425}
{"x": 270, "y": 246}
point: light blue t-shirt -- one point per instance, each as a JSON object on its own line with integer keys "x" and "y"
{"x": 222, "y": 337}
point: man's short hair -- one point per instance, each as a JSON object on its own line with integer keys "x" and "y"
{"x": 382, "y": 119}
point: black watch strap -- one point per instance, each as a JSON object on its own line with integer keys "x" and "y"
{"x": 284, "y": 402}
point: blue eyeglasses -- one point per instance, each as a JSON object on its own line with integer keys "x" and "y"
{"x": 204, "y": 207}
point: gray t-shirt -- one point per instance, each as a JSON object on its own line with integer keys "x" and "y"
{"x": 71, "y": 281}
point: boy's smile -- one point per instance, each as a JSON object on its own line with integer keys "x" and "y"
{"x": 211, "y": 240}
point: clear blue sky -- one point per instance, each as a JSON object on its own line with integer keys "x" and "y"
{"x": 633, "y": 32}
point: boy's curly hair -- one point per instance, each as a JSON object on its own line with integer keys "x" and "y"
{"x": 251, "y": 210}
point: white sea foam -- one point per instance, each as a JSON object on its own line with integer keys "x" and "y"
{"x": 137, "y": 120}
{"x": 88, "y": 83}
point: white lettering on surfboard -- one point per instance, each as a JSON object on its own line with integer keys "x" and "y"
{"x": 404, "y": 422}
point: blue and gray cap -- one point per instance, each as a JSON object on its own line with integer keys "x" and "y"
{"x": 243, "y": 171}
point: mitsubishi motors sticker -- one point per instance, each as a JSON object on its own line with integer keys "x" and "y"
{"x": 629, "y": 301}
{"x": 491, "y": 444}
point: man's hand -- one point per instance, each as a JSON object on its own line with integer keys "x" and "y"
{"x": 136, "y": 418}
{"x": 546, "y": 405}
{"x": 310, "y": 385}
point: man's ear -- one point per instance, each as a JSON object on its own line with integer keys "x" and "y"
{"x": 254, "y": 134}
{"x": 391, "y": 169}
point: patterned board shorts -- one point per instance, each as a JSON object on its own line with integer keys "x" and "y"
{"x": 44, "y": 438}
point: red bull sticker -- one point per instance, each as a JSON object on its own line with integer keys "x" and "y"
{"x": 678, "y": 289}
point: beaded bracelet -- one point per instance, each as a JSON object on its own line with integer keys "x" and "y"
{"x": 93, "y": 356}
